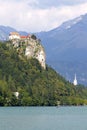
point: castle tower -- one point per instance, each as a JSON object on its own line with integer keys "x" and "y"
{"x": 75, "y": 81}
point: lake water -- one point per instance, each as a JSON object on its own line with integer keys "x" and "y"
{"x": 43, "y": 118}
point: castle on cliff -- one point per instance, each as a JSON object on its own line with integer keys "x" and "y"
{"x": 30, "y": 46}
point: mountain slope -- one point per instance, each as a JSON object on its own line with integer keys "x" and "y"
{"x": 35, "y": 85}
{"x": 5, "y": 31}
{"x": 66, "y": 48}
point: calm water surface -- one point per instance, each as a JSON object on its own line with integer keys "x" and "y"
{"x": 43, "y": 118}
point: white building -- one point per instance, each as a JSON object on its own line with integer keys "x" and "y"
{"x": 16, "y": 94}
{"x": 75, "y": 81}
{"x": 14, "y": 35}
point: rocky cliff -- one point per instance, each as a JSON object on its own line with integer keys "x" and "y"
{"x": 30, "y": 47}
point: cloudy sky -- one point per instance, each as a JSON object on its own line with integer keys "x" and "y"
{"x": 39, "y": 15}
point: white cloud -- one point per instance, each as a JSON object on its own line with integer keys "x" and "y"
{"x": 23, "y": 16}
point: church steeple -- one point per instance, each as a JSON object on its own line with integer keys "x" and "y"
{"x": 75, "y": 81}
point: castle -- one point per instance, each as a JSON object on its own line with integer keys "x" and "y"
{"x": 33, "y": 48}
{"x": 16, "y": 35}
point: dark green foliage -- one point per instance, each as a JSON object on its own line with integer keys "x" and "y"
{"x": 36, "y": 86}
{"x": 33, "y": 37}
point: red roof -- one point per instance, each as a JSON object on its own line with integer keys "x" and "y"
{"x": 23, "y": 37}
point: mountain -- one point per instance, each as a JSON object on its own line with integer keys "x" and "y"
{"x": 5, "y": 31}
{"x": 66, "y": 48}
{"x": 23, "y": 82}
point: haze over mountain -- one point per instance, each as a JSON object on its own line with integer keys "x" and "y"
{"x": 66, "y": 47}
{"x": 5, "y": 30}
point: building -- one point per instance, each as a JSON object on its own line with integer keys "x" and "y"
{"x": 16, "y": 94}
{"x": 14, "y": 35}
{"x": 75, "y": 81}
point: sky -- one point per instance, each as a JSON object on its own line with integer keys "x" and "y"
{"x": 39, "y": 15}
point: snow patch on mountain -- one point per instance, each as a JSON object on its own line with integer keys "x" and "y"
{"x": 72, "y": 22}
{"x": 68, "y": 27}
{"x": 77, "y": 20}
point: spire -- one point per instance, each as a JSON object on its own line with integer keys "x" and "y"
{"x": 75, "y": 81}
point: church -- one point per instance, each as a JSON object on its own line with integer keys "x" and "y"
{"x": 75, "y": 81}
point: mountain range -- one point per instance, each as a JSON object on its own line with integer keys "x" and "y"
{"x": 65, "y": 46}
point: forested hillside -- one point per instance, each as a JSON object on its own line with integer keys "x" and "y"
{"x": 36, "y": 86}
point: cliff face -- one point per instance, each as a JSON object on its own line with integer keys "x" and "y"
{"x": 30, "y": 47}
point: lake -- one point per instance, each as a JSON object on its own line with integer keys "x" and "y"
{"x": 43, "y": 118}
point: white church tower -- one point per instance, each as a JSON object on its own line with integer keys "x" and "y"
{"x": 75, "y": 81}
